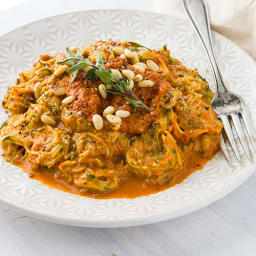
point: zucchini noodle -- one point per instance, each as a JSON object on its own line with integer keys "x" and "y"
{"x": 57, "y": 124}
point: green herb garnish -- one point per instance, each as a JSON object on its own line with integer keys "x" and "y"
{"x": 91, "y": 74}
{"x": 122, "y": 88}
{"x": 91, "y": 176}
{"x": 171, "y": 60}
{"x": 45, "y": 71}
{"x": 39, "y": 130}
{"x": 3, "y": 124}
{"x": 73, "y": 156}
{"x": 136, "y": 45}
{"x": 98, "y": 71}
{"x": 79, "y": 62}
{"x": 74, "y": 147}
{"x": 62, "y": 145}
{"x": 8, "y": 137}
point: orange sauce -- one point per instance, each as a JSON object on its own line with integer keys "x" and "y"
{"x": 130, "y": 188}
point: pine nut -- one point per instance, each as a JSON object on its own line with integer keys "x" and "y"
{"x": 60, "y": 70}
{"x": 140, "y": 67}
{"x": 138, "y": 78}
{"x": 122, "y": 113}
{"x": 102, "y": 90}
{"x": 47, "y": 119}
{"x": 37, "y": 90}
{"x": 128, "y": 53}
{"x": 108, "y": 110}
{"x": 68, "y": 100}
{"x": 152, "y": 65}
{"x": 60, "y": 91}
{"x": 128, "y": 74}
{"x": 113, "y": 119}
{"x": 133, "y": 56}
{"x": 116, "y": 74}
{"x": 142, "y": 64}
{"x": 146, "y": 83}
{"x": 135, "y": 59}
{"x": 97, "y": 121}
{"x": 118, "y": 50}
{"x": 131, "y": 84}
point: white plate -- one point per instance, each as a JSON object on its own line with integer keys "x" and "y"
{"x": 21, "y": 47}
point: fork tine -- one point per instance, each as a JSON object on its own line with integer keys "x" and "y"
{"x": 240, "y": 132}
{"x": 230, "y": 135}
{"x": 249, "y": 128}
{"x": 224, "y": 149}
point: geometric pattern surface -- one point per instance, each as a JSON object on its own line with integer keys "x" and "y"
{"x": 21, "y": 47}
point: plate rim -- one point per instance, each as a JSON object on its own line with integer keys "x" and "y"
{"x": 138, "y": 220}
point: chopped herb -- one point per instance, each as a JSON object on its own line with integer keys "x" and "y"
{"x": 85, "y": 182}
{"x": 8, "y": 137}
{"x": 98, "y": 70}
{"x": 170, "y": 110}
{"x": 104, "y": 167}
{"x": 202, "y": 78}
{"x": 136, "y": 45}
{"x": 171, "y": 60}
{"x": 39, "y": 130}
{"x": 166, "y": 181}
{"x": 91, "y": 176}
{"x": 207, "y": 95}
{"x": 3, "y": 124}
{"x": 73, "y": 156}
{"x": 165, "y": 47}
{"x": 45, "y": 71}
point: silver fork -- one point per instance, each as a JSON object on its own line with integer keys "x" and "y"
{"x": 230, "y": 107}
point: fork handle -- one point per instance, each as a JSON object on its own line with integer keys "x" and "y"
{"x": 198, "y": 15}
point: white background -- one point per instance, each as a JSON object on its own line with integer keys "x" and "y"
{"x": 226, "y": 228}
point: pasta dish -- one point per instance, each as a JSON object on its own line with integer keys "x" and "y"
{"x": 110, "y": 119}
